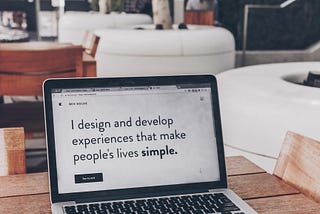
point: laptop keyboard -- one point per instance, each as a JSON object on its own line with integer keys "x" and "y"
{"x": 197, "y": 203}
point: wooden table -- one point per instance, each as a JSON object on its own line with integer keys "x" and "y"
{"x": 89, "y": 63}
{"x": 266, "y": 193}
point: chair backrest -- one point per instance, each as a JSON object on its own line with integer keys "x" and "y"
{"x": 299, "y": 164}
{"x": 12, "y": 151}
{"x": 24, "y": 66}
{"x": 199, "y": 17}
{"x": 90, "y": 43}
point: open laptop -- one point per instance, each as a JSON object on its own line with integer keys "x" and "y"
{"x": 137, "y": 145}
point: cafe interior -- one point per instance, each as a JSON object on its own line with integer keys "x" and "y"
{"x": 264, "y": 54}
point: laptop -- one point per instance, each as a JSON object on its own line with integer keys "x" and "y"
{"x": 137, "y": 145}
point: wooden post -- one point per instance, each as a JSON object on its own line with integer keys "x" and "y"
{"x": 12, "y": 151}
{"x": 298, "y": 164}
{"x": 104, "y": 6}
{"x": 161, "y": 13}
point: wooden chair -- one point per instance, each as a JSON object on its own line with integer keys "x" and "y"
{"x": 23, "y": 68}
{"x": 201, "y": 17}
{"x": 12, "y": 151}
{"x": 299, "y": 164}
{"x": 90, "y": 43}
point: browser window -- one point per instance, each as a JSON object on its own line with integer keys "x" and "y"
{"x": 128, "y": 137}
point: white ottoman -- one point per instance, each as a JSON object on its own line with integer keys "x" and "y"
{"x": 259, "y": 105}
{"x": 131, "y": 52}
{"x": 73, "y": 25}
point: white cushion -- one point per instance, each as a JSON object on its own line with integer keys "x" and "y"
{"x": 73, "y": 25}
{"x": 198, "y": 40}
{"x": 258, "y": 106}
{"x": 131, "y": 52}
{"x": 139, "y": 42}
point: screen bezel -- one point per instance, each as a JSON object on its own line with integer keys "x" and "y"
{"x": 129, "y": 82}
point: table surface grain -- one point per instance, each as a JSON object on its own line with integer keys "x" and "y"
{"x": 29, "y": 193}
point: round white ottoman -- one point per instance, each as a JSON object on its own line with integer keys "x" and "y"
{"x": 73, "y": 25}
{"x": 131, "y": 52}
{"x": 259, "y": 105}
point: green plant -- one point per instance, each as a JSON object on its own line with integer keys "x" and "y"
{"x": 117, "y": 5}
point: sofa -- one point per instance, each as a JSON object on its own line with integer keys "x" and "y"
{"x": 73, "y": 25}
{"x": 142, "y": 50}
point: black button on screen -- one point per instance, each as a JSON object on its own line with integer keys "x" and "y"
{"x": 88, "y": 178}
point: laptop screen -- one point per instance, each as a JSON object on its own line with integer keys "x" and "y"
{"x": 109, "y": 138}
